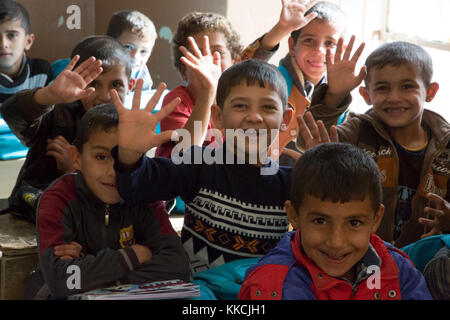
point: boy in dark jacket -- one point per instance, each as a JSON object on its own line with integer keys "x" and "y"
{"x": 334, "y": 254}
{"x": 84, "y": 225}
{"x": 47, "y": 119}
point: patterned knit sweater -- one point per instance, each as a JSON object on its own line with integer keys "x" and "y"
{"x": 232, "y": 210}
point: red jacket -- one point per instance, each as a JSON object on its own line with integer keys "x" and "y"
{"x": 286, "y": 273}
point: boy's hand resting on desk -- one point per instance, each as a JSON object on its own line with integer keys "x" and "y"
{"x": 70, "y": 85}
{"x": 136, "y": 131}
{"x": 68, "y": 251}
{"x": 143, "y": 253}
{"x": 341, "y": 72}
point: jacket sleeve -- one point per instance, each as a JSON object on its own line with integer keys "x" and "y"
{"x": 23, "y": 115}
{"x": 156, "y": 179}
{"x": 169, "y": 260}
{"x": 55, "y": 226}
{"x": 330, "y": 116}
{"x": 412, "y": 282}
{"x": 256, "y": 51}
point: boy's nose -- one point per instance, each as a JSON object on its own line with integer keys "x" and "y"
{"x": 254, "y": 116}
{"x": 336, "y": 238}
{"x": 104, "y": 96}
{"x": 3, "y": 42}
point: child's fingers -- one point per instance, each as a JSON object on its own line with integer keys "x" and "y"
{"x": 304, "y": 131}
{"x": 362, "y": 74}
{"x": 72, "y": 63}
{"x": 310, "y": 17}
{"x": 163, "y": 137}
{"x": 85, "y": 65}
{"x": 117, "y": 102}
{"x": 206, "y": 49}
{"x": 188, "y": 63}
{"x": 328, "y": 61}
{"x": 168, "y": 109}
{"x": 437, "y": 201}
{"x": 292, "y": 153}
{"x": 349, "y": 49}
{"x": 194, "y": 48}
{"x": 93, "y": 74}
{"x": 334, "y": 134}
{"x": 338, "y": 54}
{"x": 155, "y": 98}
{"x": 312, "y": 126}
{"x": 323, "y": 133}
{"x": 187, "y": 55}
{"x": 358, "y": 53}
{"x": 136, "y": 104}
{"x": 216, "y": 59}
{"x": 90, "y": 69}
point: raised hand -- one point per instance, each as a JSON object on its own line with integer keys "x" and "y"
{"x": 314, "y": 132}
{"x": 293, "y": 12}
{"x": 71, "y": 85}
{"x": 439, "y": 209}
{"x": 58, "y": 148}
{"x": 136, "y": 131}
{"x": 204, "y": 65}
{"x": 341, "y": 75}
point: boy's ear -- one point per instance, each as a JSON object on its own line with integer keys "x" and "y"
{"x": 217, "y": 116}
{"x": 29, "y": 41}
{"x": 291, "y": 44}
{"x": 131, "y": 84}
{"x": 292, "y": 215}
{"x": 365, "y": 94}
{"x": 378, "y": 218}
{"x": 75, "y": 157}
{"x": 287, "y": 117}
{"x": 433, "y": 88}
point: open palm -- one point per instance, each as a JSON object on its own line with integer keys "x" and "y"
{"x": 137, "y": 126}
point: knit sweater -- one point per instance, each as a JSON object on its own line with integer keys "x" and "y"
{"x": 232, "y": 210}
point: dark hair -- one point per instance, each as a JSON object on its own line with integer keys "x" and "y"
{"x": 11, "y": 10}
{"x": 336, "y": 172}
{"x": 326, "y": 11}
{"x": 102, "y": 117}
{"x": 252, "y": 72}
{"x": 131, "y": 20}
{"x": 401, "y": 53}
{"x": 197, "y": 22}
{"x": 104, "y": 48}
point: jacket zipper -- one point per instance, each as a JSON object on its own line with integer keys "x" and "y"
{"x": 107, "y": 211}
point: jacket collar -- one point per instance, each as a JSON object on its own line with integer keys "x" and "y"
{"x": 322, "y": 281}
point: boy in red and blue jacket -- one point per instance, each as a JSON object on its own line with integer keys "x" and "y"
{"x": 334, "y": 254}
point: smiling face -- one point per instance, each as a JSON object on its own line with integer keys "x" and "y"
{"x": 335, "y": 236}
{"x": 398, "y": 95}
{"x": 139, "y": 48}
{"x": 311, "y": 46}
{"x": 13, "y": 42}
{"x": 112, "y": 77}
{"x": 257, "y": 111}
{"x": 97, "y": 165}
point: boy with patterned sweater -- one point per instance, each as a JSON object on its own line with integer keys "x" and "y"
{"x": 228, "y": 216}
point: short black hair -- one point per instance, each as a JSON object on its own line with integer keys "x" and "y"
{"x": 400, "y": 53}
{"x": 99, "y": 118}
{"x": 104, "y": 48}
{"x": 252, "y": 72}
{"x": 336, "y": 172}
{"x": 133, "y": 21}
{"x": 11, "y": 10}
{"x": 326, "y": 11}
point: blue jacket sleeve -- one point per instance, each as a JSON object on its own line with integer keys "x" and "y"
{"x": 412, "y": 282}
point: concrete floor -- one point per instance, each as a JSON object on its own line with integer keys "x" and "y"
{"x": 9, "y": 169}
